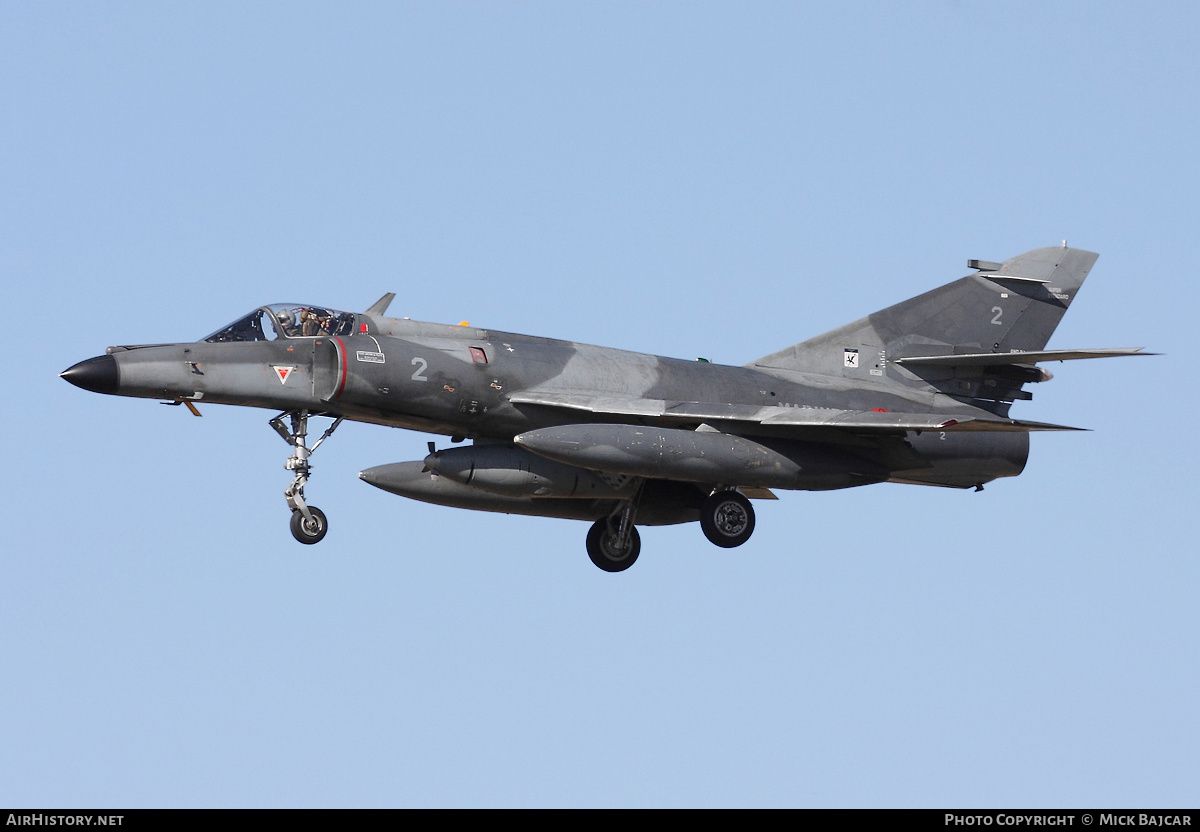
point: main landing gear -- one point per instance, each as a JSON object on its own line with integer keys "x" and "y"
{"x": 611, "y": 550}
{"x": 613, "y": 542}
{"x": 727, "y": 518}
{"x": 308, "y": 522}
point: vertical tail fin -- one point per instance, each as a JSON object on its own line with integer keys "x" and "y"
{"x": 1004, "y": 307}
{"x": 1014, "y": 307}
{"x": 1011, "y": 306}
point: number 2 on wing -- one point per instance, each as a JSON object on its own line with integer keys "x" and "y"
{"x": 996, "y": 318}
{"x": 419, "y": 373}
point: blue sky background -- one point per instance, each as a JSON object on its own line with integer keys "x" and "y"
{"x": 688, "y": 179}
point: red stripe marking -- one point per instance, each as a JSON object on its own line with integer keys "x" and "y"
{"x": 342, "y": 382}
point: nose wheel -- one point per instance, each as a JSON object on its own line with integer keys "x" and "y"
{"x": 308, "y": 522}
{"x": 309, "y": 531}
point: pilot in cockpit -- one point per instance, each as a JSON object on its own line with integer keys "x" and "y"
{"x": 310, "y": 322}
{"x": 287, "y": 322}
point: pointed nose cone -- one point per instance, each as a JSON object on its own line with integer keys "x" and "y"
{"x": 97, "y": 374}
{"x": 408, "y": 479}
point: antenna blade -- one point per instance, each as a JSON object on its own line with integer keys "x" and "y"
{"x": 380, "y": 306}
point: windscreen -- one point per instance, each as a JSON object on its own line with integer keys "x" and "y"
{"x": 285, "y": 320}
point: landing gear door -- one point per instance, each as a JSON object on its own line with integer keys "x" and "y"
{"x": 329, "y": 368}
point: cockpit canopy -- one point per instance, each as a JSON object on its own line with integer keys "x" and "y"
{"x": 287, "y": 320}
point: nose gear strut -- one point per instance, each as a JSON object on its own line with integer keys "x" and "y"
{"x": 308, "y": 522}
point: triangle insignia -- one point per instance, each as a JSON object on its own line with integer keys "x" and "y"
{"x": 283, "y": 372}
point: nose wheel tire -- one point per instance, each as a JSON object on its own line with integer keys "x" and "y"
{"x": 727, "y": 519}
{"x": 306, "y": 531}
{"x": 602, "y": 549}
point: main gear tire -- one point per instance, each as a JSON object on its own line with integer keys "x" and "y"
{"x": 602, "y": 550}
{"x": 727, "y": 519}
{"x": 307, "y": 532}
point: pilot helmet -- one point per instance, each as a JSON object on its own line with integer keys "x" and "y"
{"x": 285, "y": 318}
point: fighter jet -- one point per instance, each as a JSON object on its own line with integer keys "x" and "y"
{"x": 916, "y": 393}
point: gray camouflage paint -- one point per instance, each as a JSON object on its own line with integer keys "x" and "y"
{"x": 494, "y": 386}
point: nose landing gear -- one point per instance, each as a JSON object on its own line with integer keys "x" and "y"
{"x": 306, "y": 530}
{"x": 308, "y": 522}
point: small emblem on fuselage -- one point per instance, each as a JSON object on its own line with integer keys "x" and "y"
{"x": 850, "y": 358}
{"x": 283, "y": 372}
{"x": 370, "y": 357}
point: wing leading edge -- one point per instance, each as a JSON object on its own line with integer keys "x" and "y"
{"x": 801, "y": 417}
